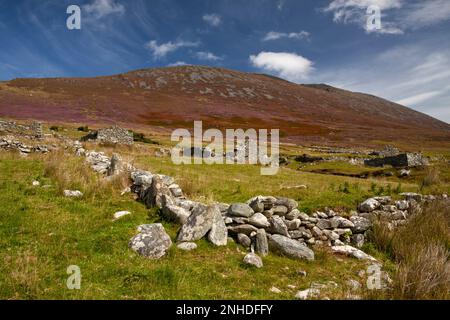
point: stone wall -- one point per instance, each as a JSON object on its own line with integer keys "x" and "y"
{"x": 398, "y": 161}
{"x": 33, "y": 130}
{"x": 113, "y": 135}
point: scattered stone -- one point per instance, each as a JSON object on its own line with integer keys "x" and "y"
{"x": 307, "y": 294}
{"x": 353, "y": 252}
{"x": 121, "y": 214}
{"x": 187, "y": 246}
{"x": 275, "y": 290}
{"x": 73, "y": 194}
{"x": 152, "y": 242}
{"x": 253, "y": 260}
{"x": 36, "y": 183}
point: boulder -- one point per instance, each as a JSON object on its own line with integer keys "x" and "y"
{"x": 267, "y": 202}
{"x": 280, "y": 210}
{"x": 198, "y": 224}
{"x": 290, "y": 204}
{"x": 277, "y": 226}
{"x": 293, "y": 224}
{"x": 261, "y": 243}
{"x": 116, "y": 165}
{"x": 152, "y": 242}
{"x": 402, "y": 205}
{"x": 358, "y": 240}
{"x": 294, "y": 214}
{"x": 254, "y": 260}
{"x": 218, "y": 235}
{"x": 361, "y": 224}
{"x": 176, "y": 190}
{"x": 412, "y": 196}
{"x": 240, "y": 210}
{"x": 289, "y": 247}
{"x": 259, "y": 220}
{"x": 369, "y": 205}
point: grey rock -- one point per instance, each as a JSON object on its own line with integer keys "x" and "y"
{"x": 369, "y": 205}
{"x": 353, "y": 252}
{"x": 73, "y": 193}
{"x": 280, "y": 210}
{"x": 358, "y": 240}
{"x": 198, "y": 224}
{"x": 218, "y": 235}
{"x": 361, "y": 224}
{"x": 246, "y": 229}
{"x": 277, "y": 226}
{"x": 294, "y": 214}
{"x": 176, "y": 214}
{"x": 244, "y": 240}
{"x": 152, "y": 242}
{"x": 253, "y": 260}
{"x": 187, "y": 246}
{"x": 294, "y": 224}
{"x": 402, "y": 205}
{"x": 240, "y": 210}
{"x": 288, "y": 203}
{"x": 261, "y": 243}
{"x": 289, "y": 247}
{"x": 324, "y": 224}
{"x": 153, "y": 195}
{"x": 259, "y": 220}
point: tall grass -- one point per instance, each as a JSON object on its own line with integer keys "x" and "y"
{"x": 421, "y": 251}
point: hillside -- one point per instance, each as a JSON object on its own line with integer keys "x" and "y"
{"x": 175, "y": 97}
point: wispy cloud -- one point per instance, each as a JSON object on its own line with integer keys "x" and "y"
{"x": 273, "y": 35}
{"x": 101, "y": 8}
{"x": 213, "y": 19}
{"x": 177, "y": 64}
{"x": 398, "y": 16}
{"x": 161, "y": 50}
{"x": 290, "y": 66}
{"x": 419, "y": 98}
{"x": 208, "y": 56}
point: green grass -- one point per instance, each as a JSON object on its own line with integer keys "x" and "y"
{"x": 42, "y": 233}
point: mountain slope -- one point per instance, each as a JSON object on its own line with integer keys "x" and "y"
{"x": 175, "y": 97}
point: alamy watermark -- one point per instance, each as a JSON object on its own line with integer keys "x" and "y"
{"x": 237, "y": 146}
{"x": 373, "y": 18}
{"x": 74, "y": 280}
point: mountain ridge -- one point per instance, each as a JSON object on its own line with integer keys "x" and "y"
{"x": 174, "y": 97}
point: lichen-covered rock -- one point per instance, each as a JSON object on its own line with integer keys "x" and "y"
{"x": 240, "y": 210}
{"x": 253, "y": 260}
{"x": 261, "y": 243}
{"x": 218, "y": 235}
{"x": 259, "y": 220}
{"x": 288, "y": 203}
{"x": 246, "y": 229}
{"x": 153, "y": 195}
{"x": 244, "y": 240}
{"x": 277, "y": 226}
{"x": 175, "y": 213}
{"x": 353, "y": 252}
{"x": 197, "y": 225}
{"x": 369, "y": 205}
{"x": 361, "y": 224}
{"x": 187, "y": 246}
{"x": 152, "y": 242}
{"x": 289, "y": 247}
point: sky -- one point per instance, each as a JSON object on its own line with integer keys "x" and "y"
{"x": 405, "y": 59}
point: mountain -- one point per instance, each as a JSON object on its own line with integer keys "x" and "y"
{"x": 174, "y": 97}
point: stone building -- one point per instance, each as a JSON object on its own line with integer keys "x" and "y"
{"x": 399, "y": 161}
{"x": 113, "y": 135}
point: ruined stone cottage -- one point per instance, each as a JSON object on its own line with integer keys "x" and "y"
{"x": 113, "y": 135}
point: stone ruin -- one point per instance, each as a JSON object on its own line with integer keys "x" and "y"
{"x": 113, "y": 135}
{"x": 403, "y": 160}
{"x": 34, "y": 130}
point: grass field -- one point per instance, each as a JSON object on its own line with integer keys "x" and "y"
{"x": 42, "y": 233}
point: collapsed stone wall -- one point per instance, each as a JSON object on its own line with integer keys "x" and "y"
{"x": 33, "y": 130}
{"x": 409, "y": 160}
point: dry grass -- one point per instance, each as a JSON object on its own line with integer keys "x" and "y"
{"x": 432, "y": 177}
{"x": 421, "y": 253}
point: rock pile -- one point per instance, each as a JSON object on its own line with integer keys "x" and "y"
{"x": 10, "y": 143}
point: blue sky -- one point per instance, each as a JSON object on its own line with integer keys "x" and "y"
{"x": 305, "y": 41}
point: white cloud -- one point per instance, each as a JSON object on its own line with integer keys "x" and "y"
{"x": 273, "y": 35}
{"x": 160, "y": 51}
{"x": 397, "y": 15}
{"x": 177, "y": 64}
{"x": 101, "y": 8}
{"x": 419, "y": 98}
{"x": 213, "y": 19}
{"x": 289, "y": 66}
{"x": 417, "y": 76}
{"x": 209, "y": 56}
